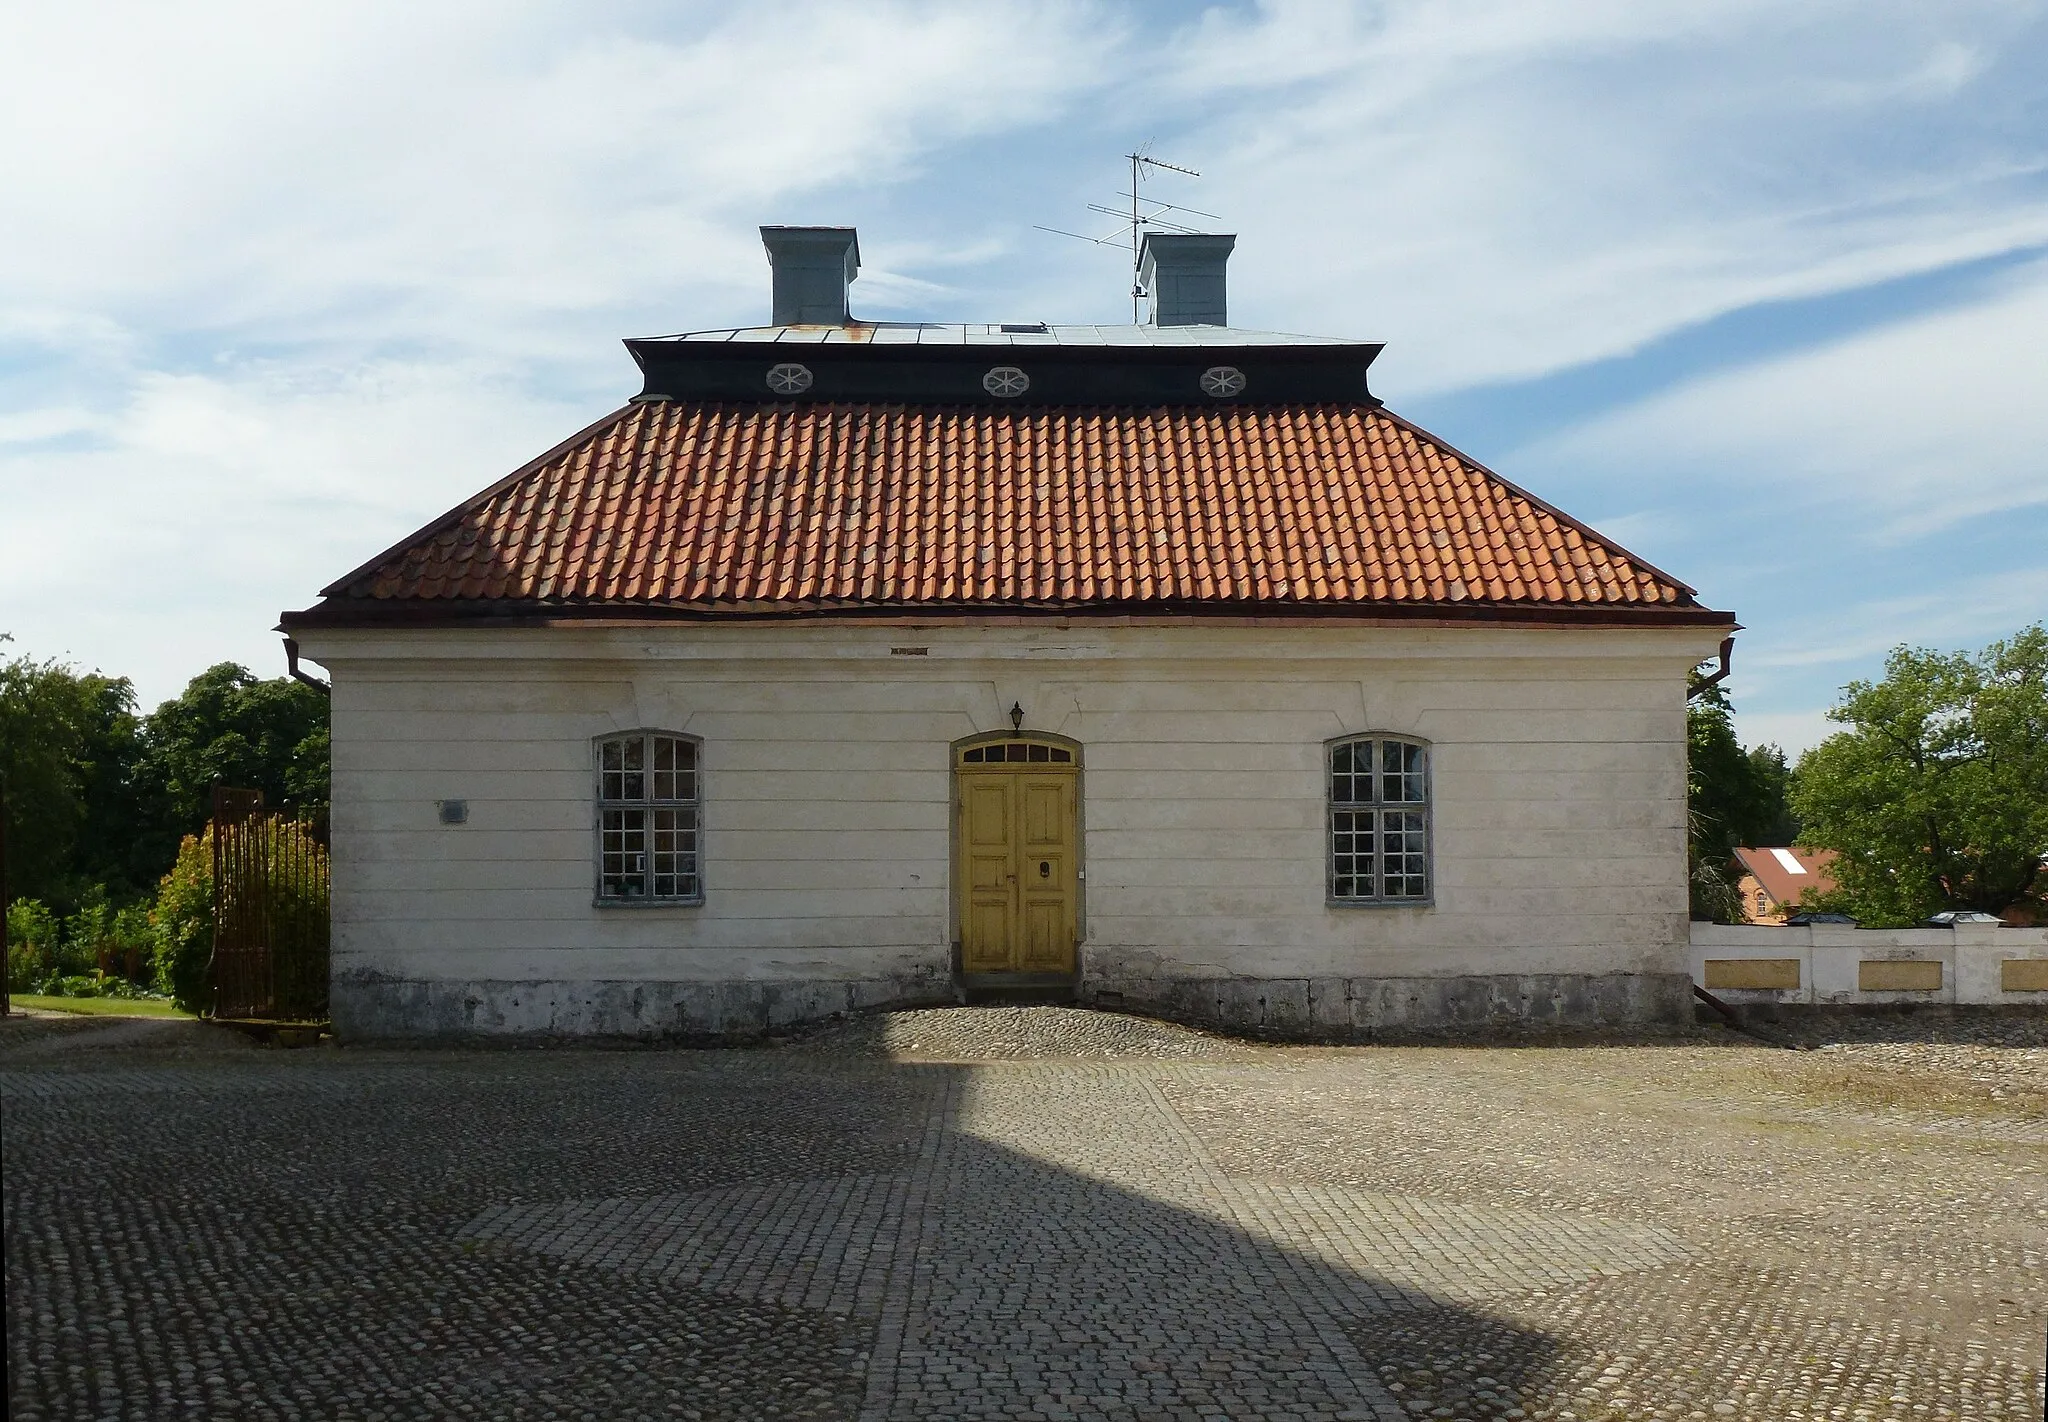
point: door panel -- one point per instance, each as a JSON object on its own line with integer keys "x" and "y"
{"x": 1045, "y": 809}
{"x": 988, "y": 809}
{"x": 1017, "y": 869}
{"x": 988, "y": 923}
{"x": 1048, "y": 938}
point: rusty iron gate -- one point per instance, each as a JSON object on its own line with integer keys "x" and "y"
{"x": 270, "y": 927}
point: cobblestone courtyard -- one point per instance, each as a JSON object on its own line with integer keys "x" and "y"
{"x": 1029, "y": 1214}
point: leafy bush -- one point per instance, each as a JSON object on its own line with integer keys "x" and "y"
{"x": 101, "y": 939}
{"x": 181, "y": 924}
{"x": 96, "y": 985}
{"x": 34, "y": 936}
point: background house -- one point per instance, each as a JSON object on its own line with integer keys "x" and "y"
{"x": 1774, "y": 880}
{"x": 853, "y": 663}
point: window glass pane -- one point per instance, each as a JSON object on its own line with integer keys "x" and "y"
{"x": 1062, "y": 757}
{"x": 622, "y": 854}
{"x": 664, "y": 768}
{"x": 1351, "y": 854}
{"x": 674, "y": 854}
{"x": 675, "y": 763}
{"x": 1040, "y": 754}
{"x": 1403, "y": 850}
{"x": 611, "y": 764}
{"x": 1351, "y": 773}
{"x": 972, "y": 757}
{"x": 1402, "y": 781}
{"x": 632, "y": 777}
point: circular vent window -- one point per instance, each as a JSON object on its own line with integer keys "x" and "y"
{"x": 1006, "y": 381}
{"x": 789, "y": 379}
{"x": 1222, "y": 380}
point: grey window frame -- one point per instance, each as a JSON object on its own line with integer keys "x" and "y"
{"x": 653, "y": 807}
{"x": 1378, "y": 806}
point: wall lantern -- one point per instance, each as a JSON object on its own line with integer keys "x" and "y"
{"x": 1016, "y": 718}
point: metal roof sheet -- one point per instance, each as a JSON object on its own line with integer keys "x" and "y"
{"x": 930, "y": 333}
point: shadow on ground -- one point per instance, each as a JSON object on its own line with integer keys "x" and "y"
{"x": 263, "y": 1234}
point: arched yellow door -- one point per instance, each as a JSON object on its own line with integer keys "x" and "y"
{"x": 1016, "y": 866}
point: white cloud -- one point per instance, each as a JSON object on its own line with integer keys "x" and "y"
{"x": 1793, "y": 732}
{"x": 1502, "y": 188}
{"x": 209, "y": 504}
{"x": 405, "y": 172}
{"x": 35, "y": 426}
{"x": 1956, "y": 612}
{"x": 1887, "y": 437}
{"x": 279, "y": 283}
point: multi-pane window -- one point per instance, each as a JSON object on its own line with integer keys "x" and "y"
{"x": 1379, "y": 821}
{"x": 648, "y": 819}
{"x": 1014, "y": 752}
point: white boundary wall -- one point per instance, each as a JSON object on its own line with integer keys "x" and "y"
{"x": 1831, "y": 959}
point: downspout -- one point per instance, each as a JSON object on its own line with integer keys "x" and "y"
{"x": 291, "y": 661}
{"x": 1727, "y": 651}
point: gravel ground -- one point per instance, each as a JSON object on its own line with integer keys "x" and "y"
{"x": 1030, "y": 1213}
{"x": 990, "y": 1034}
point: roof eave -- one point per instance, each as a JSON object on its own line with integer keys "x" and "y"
{"x": 464, "y": 612}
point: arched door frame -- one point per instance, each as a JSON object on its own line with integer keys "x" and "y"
{"x": 955, "y": 893}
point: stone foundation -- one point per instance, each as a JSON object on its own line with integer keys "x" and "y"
{"x": 1359, "y": 1009}
{"x": 369, "y": 1009}
{"x": 381, "y": 1009}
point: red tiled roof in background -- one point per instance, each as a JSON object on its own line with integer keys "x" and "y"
{"x": 706, "y": 507}
{"x": 1785, "y": 887}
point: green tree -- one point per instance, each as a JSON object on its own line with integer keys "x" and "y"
{"x": 1936, "y": 797}
{"x": 1733, "y": 797}
{"x": 109, "y": 850}
{"x": 233, "y": 727}
{"x": 1775, "y": 822}
{"x": 65, "y": 747}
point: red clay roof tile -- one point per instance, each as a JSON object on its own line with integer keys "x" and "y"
{"x": 703, "y": 507}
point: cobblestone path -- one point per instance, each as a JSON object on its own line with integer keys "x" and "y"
{"x": 1037, "y": 1215}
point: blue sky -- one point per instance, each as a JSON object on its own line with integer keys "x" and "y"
{"x": 1759, "y": 290}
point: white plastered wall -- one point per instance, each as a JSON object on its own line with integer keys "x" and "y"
{"x": 1558, "y": 769}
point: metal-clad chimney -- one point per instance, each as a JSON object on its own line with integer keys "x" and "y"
{"x": 812, "y": 267}
{"x": 1183, "y": 272}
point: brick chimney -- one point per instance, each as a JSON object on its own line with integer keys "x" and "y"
{"x": 812, "y": 267}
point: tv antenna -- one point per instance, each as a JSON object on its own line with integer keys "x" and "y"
{"x": 1145, "y": 214}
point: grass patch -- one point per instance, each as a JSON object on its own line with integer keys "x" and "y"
{"x": 97, "y": 1006}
